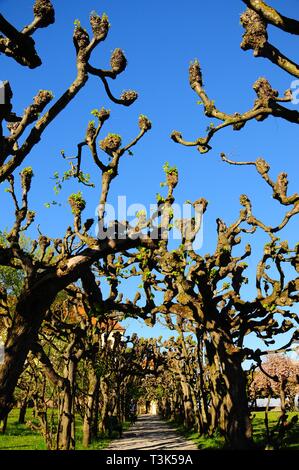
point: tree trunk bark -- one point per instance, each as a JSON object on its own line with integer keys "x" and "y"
{"x": 22, "y": 414}
{"x": 35, "y": 300}
{"x": 172, "y": 401}
{"x": 187, "y": 402}
{"x": 197, "y": 416}
{"x": 202, "y": 398}
{"x": 66, "y": 434}
{"x": 228, "y": 391}
{"x": 214, "y": 372}
{"x": 28, "y": 317}
{"x": 234, "y": 410}
{"x": 20, "y": 337}
{"x": 90, "y": 408}
{"x": 105, "y": 401}
{"x": 95, "y": 419}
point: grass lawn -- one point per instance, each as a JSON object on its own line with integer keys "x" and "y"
{"x": 217, "y": 442}
{"x": 21, "y": 437}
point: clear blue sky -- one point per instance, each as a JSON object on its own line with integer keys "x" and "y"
{"x": 160, "y": 38}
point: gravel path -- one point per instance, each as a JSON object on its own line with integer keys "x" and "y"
{"x": 150, "y": 432}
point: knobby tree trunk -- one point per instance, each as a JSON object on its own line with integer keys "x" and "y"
{"x": 32, "y": 306}
{"x": 215, "y": 387}
{"x": 202, "y": 398}
{"x": 66, "y": 431}
{"x": 20, "y": 337}
{"x": 173, "y": 405}
{"x": 28, "y": 317}
{"x": 105, "y": 401}
{"x": 197, "y": 416}
{"x": 95, "y": 417}
{"x": 187, "y": 402}
{"x": 234, "y": 411}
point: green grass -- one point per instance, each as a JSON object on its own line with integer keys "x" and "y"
{"x": 292, "y": 439}
{"x": 217, "y": 442}
{"x": 21, "y": 437}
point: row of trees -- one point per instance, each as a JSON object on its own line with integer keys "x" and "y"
{"x": 83, "y": 367}
{"x": 185, "y": 392}
{"x": 206, "y": 291}
{"x": 80, "y": 366}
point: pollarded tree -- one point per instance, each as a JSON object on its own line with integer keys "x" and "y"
{"x": 87, "y": 366}
{"x": 204, "y": 289}
{"x": 181, "y": 353}
{"x": 255, "y": 21}
{"x": 230, "y": 318}
{"x": 207, "y": 292}
{"x": 50, "y": 265}
{"x": 189, "y": 362}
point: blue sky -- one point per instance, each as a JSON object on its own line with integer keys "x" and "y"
{"x": 159, "y": 39}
